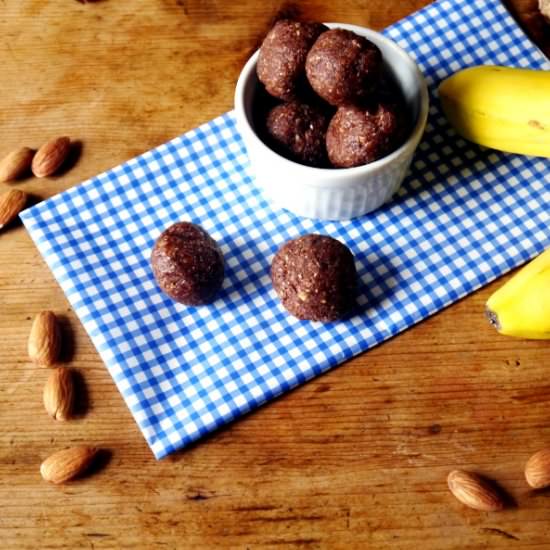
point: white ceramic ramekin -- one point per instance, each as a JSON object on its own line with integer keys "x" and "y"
{"x": 330, "y": 193}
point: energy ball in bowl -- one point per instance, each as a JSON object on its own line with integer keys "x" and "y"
{"x": 297, "y": 131}
{"x": 283, "y": 54}
{"x": 188, "y": 264}
{"x": 315, "y": 278}
{"x": 343, "y": 67}
{"x": 359, "y": 135}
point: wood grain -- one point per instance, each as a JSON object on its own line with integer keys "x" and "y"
{"x": 356, "y": 458}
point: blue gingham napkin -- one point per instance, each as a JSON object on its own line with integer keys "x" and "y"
{"x": 464, "y": 217}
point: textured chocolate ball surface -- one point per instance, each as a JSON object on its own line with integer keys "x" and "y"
{"x": 359, "y": 135}
{"x": 343, "y": 67}
{"x": 315, "y": 278}
{"x": 297, "y": 131}
{"x": 188, "y": 264}
{"x": 282, "y": 56}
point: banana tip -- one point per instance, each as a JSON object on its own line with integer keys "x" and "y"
{"x": 492, "y": 317}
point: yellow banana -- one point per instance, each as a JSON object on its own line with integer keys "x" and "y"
{"x": 522, "y": 306}
{"x": 500, "y": 107}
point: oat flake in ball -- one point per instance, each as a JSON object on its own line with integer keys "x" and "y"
{"x": 282, "y": 56}
{"x": 343, "y": 67}
{"x": 315, "y": 278}
{"x": 297, "y": 131}
{"x": 188, "y": 264}
{"x": 359, "y": 135}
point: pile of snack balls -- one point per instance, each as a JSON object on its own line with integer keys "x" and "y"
{"x": 336, "y": 106}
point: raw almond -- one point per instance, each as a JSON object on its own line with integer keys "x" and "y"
{"x": 67, "y": 464}
{"x": 474, "y": 491}
{"x": 59, "y": 394}
{"x": 11, "y": 203}
{"x": 537, "y": 470}
{"x": 45, "y": 339}
{"x": 16, "y": 163}
{"x": 50, "y": 157}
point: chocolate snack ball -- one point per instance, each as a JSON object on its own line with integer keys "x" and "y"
{"x": 343, "y": 67}
{"x": 315, "y": 278}
{"x": 359, "y": 135}
{"x": 282, "y": 56}
{"x": 297, "y": 131}
{"x": 187, "y": 264}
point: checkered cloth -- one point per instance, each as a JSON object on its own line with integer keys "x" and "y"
{"x": 465, "y": 216}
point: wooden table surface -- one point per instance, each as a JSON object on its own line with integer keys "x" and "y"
{"x": 356, "y": 458}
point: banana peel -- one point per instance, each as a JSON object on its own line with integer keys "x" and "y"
{"x": 503, "y": 108}
{"x": 521, "y": 307}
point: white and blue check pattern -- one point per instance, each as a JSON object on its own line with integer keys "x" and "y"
{"x": 465, "y": 216}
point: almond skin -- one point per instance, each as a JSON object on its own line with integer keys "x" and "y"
{"x": 45, "y": 339}
{"x": 537, "y": 470}
{"x": 50, "y": 157}
{"x": 16, "y": 164}
{"x": 67, "y": 464}
{"x": 11, "y": 203}
{"x": 59, "y": 394}
{"x": 474, "y": 491}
